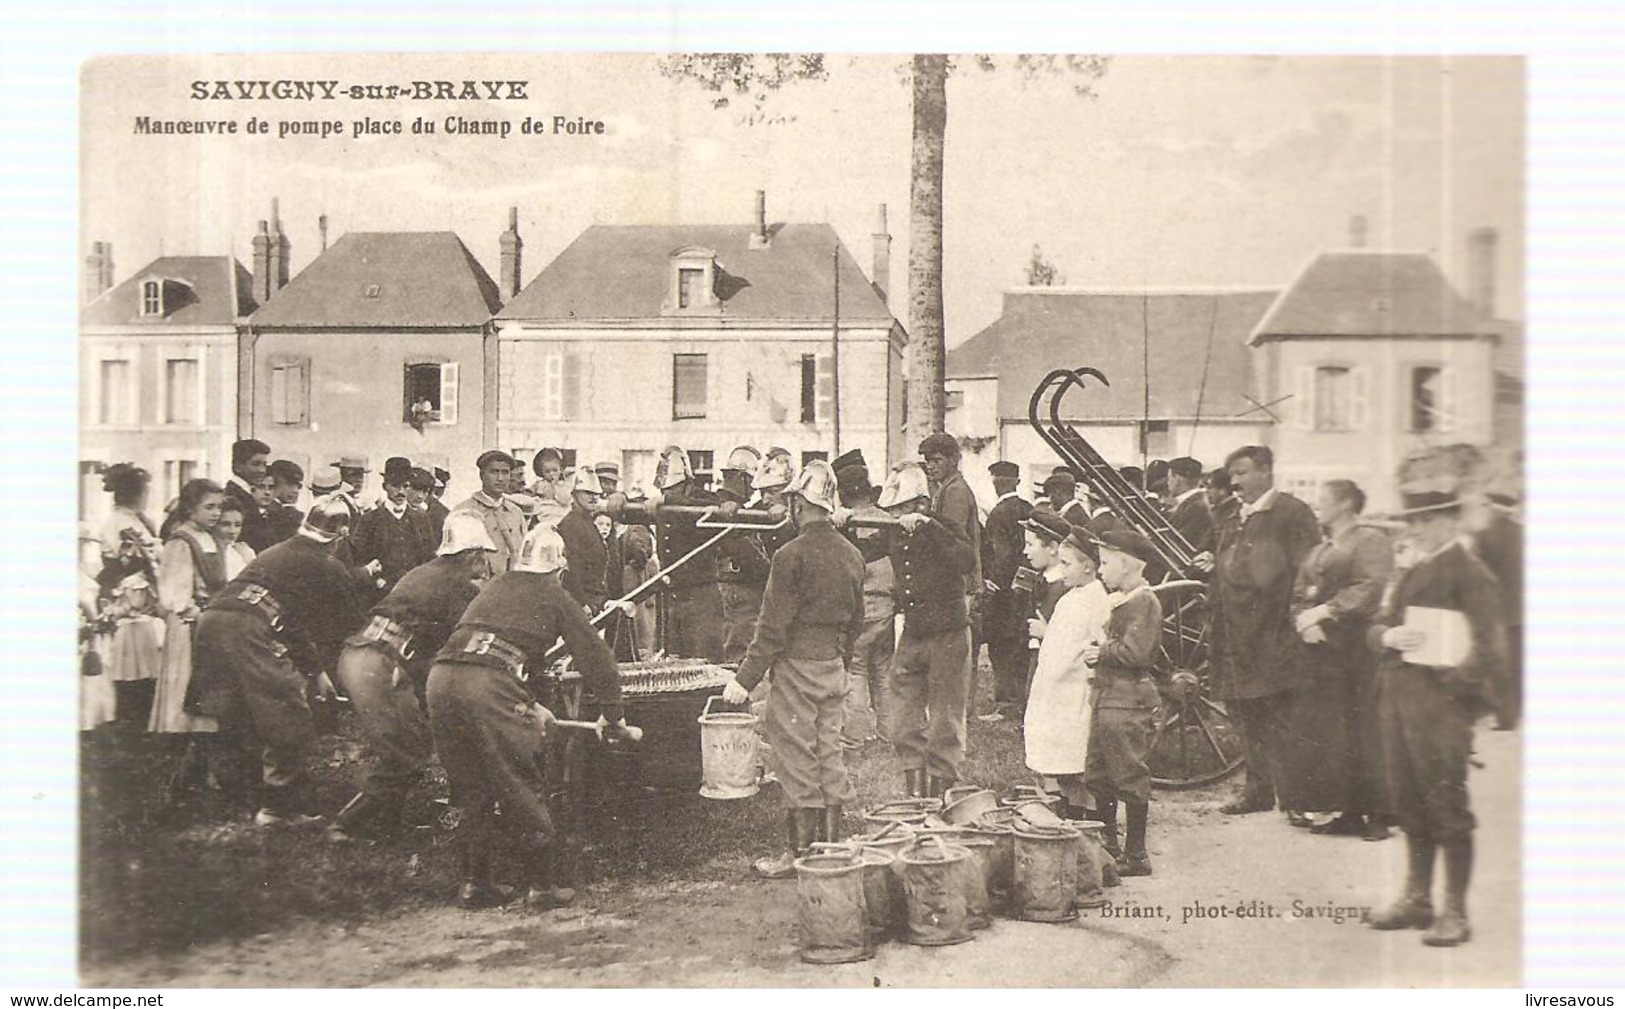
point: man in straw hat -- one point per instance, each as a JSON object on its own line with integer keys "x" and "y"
{"x": 503, "y": 520}
{"x": 1439, "y": 641}
{"x": 811, "y": 615}
{"x": 279, "y": 622}
{"x": 384, "y": 670}
{"x": 693, "y": 614}
{"x": 931, "y": 669}
{"x": 489, "y": 731}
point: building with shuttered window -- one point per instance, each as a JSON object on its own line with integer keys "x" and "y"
{"x": 637, "y": 337}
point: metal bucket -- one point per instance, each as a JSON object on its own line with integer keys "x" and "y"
{"x": 934, "y": 894}
{"x": 1045, "y": 887}
{"x": 832, "y": 907}
{"x": 975, "y": 873}
{"x": 727, "y": 753}
{"x": 963, "y": 804}
{"x": 1038, "y": 813}
{"x": 1018, "y": 794}
{"x": 1091, "y": 864}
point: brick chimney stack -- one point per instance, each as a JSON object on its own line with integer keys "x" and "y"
{"x": 758, "y": 238}
{"x": 1358, "y": 228}
{"x": 512, "y": 246}
{"x": 1481, "y": 243}
{"x": 98, "y": 270}
{"x": 263, "y": 284}
{"x": 321, "y": 227}
{"x": 881, "y": 272}
{"x": 279, "y": 248}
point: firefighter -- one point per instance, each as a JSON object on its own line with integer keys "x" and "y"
{"x": 489, "y": 731}
{"x": 584, "y": 577}
{"x": 385, "y": 667}
{"x": 278, "y": 622}
{"x": 812, "y": 613}
{"x": 693, "y": 614}
{"x": 742, "y": 559}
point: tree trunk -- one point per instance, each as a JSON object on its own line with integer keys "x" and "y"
{"x": 925, "y": 333}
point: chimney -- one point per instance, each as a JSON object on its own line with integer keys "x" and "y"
{"x": 98, "y": 271}
{"x": 321, "y": 227}
{"x": 1481, "y": 244}
{"x": 263, "y": 285}
{"x": 511, "y": 247}
{"x": 1358, "y": 227}
{"x": 758, "y": 238}
{"x": 279, "y": 248}
{"x": 881, "y": 272}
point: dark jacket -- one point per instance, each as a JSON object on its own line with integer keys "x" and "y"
{"x": 1500, "y": 547}
{"x": 1133, "y": 632}
{"x": 427, "y": 602}
{"x": 283, "y": 521}
{"x": 1194, "y": 522}
{"x": 1452, "y": 579}
{"x": 588, "y": 557}
{"x": 1002, "y": 541}
{"x": 929, "y": 569}
{"x": 1257, "y": 651}
{"x": 531, "y": 611}
{"x": 397, "y": 544}
{"x": 314, "y": 591}
{"x": 955, "y": 504}
{"x": 679, "y": 537}
{"x": 813, "y": 606}
{"x": 436, "y": 511}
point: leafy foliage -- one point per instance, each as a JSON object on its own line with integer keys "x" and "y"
{"x": 752, "y": 76}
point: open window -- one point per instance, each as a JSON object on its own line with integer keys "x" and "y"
{"x": 817, "y": 388}
{"x": 1430, "y": 399}
{"x": 430, "y": 395}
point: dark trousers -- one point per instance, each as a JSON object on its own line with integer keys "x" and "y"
{"x": 694, "y": 622}
{"x": 392, "y": 721}
{"x": 1005, "y": 628}
{"x": 1508, "y": 686}
{"x": 741, "y": 605}
{"x": 1262, "y": 722}
{"x": 1427, "y": 738}
{"x": 930, "y": 690}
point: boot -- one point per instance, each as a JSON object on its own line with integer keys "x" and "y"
{"x": 365, "y": 816}
{"x": 831, "y": 824}
{"x": 802, "y": 827}
{"x": 1414, "y": 909}
{"x": 1106, "y": 814}
{"x": 935, "y": 786}
{"x": 477, "y": 890}
{"x": 286, "y": 806}
{"x": 546, "y": 893}
{"x": 914, "y": 782}
{"x": 1450, "y": 928}
{"x": 1135, "y": 861}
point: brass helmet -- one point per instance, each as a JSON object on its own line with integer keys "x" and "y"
{"x": 744, "y": 459}
{"x": 541, "y": 552}
{"x": 673, "y": 468}
{"x": 816, "y": 485}
{"x": 775, "y": 471}
{"x": 464, "y": 531}
{"x": 906, "y": 483}
{"x": 328, "y": 519}
{"x": 586, "y": 480}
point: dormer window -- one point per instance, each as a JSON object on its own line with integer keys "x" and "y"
{"x": 152, "y": 297}
{"x": 693, "y": 280}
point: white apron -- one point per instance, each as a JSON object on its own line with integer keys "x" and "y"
{"x": 1058, "y": 714}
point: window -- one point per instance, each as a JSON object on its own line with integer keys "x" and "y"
{"x": 1156, "y": 439}
{"x": 290, "y": 391}
{"x": 176, "y": 471}
{"x": 1431, "y": 400}
{"x": 568, "y": 457}
{"x": 690, "y": 287}
{"x": 90, "y": 487}
{"x": 700, "y": 460}
{"x": 637, "y": 467}
{"x": 183, "y": 391}
{"x": 430, "y": 395}
{"x": 116, "y": 388}
{"x": 817, "y": 388}
{"x": 953, "y": 399}
{"x": 809, "y": 456}
{"x": 688, "y": 386}
{"x": 1329, "y": 398}
{"x": 152, "y": 297}
{"x": 561, "y": 387}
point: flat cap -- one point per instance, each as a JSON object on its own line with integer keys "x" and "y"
{"x": 1128, "y": 541}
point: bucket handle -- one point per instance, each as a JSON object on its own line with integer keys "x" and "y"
{"x": 888, "y": 829}
{"x": 708, "y": 702}
{"x": 942, "y": 846}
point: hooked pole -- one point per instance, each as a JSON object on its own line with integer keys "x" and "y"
{"x": 835, "y": 340}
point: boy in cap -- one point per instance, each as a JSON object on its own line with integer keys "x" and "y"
{"x": 1003, "y": 622}
{"x": 1426, "y": 712}
{"x": 931, "y": 668}
{"x": 384, "y": 670}
{"x": 811, "y": 615}
{"x": 1124, "y": 697}
{"x": 503, "y": 520}
{"x": 284, "y": 518}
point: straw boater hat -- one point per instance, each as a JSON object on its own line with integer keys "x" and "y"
{"x": 1422, "y": 499}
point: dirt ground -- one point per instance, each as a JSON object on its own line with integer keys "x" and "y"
{"x": 734, "y": 931}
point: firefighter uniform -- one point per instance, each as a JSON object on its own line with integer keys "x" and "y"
{"x": 586, "y": 576}
{"x": 693, "y": 605}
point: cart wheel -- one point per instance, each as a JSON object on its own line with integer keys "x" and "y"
{"x": 1193, "y": 742}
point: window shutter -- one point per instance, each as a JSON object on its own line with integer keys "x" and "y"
{"x": 825, "y": 409}
{"x": 1447, "y": 399}
{"x": 1359, "y": 399}
{"x": 572, "y": 387}
{"x": 553, "y": 387}
{"x": 448, "y": 393}
{"x": 279, "y": 394}
{"x": 1302, "y": 416}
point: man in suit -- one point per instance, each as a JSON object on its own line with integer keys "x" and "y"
{"x": 1061, "y": 489}
{"x": 1004, "y": 624}
{"x": 1498, "y": 541}
{"x": 395, "y": 535}
{"x": 434, "y": 505}
{"x": 250, "y": 462}
{"x": 1257, "y": 662}
{"x": 284, "y": 516}
{"x": 1189, "y": 515}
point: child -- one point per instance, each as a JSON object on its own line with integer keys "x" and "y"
{"x": 1124, "y": 697}
{"x": 1057, "y": 721}
{"x": 237, "y": 554}
{"x": 1045, "y": 530}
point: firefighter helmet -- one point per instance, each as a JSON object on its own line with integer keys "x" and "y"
{"x": 906, "y": 483}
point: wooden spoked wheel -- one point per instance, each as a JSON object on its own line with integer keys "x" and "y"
{"x": 1193, "y": 742}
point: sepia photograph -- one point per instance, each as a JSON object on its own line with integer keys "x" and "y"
{"x": 786, "y": 520}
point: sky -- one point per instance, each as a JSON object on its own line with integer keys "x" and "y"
{"x": 1178, "y": 171}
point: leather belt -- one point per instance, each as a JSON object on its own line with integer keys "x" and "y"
{"x": 261, "y": 599}
{"x": 487, "y": 643}
{"x": 387, "y": 632}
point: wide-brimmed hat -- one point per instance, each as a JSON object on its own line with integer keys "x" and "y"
{"x": 1048, "y": 525}
{"x": 325, "y": 480}
{"x": 1421, "y": 500}
{"x": 351, "y": 461}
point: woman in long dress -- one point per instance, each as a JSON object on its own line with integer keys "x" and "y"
{"x": 191, "y": 568}
{"x": 132, "y": 650}
{"x": 97, "y": 702}
{"x": 1335, "y": 744}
